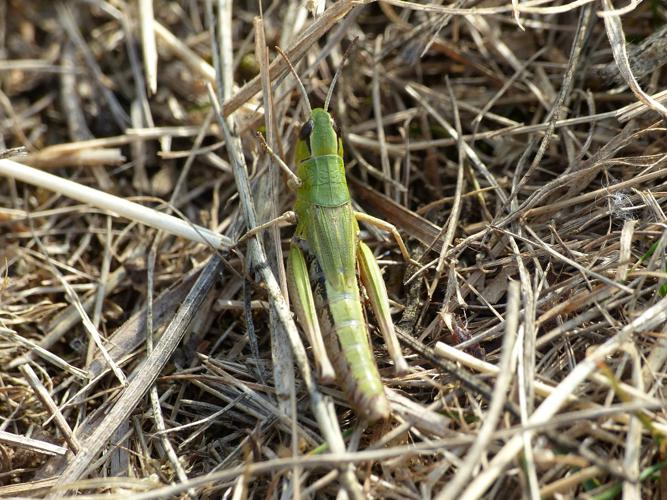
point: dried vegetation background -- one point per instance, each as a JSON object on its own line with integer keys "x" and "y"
{"x": 517, "y": 148}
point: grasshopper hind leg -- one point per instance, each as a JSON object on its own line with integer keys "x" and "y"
{"x": 301, "y": 294}
{"x": 371, "y": 278}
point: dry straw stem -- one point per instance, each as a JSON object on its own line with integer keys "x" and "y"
{"x": 143, "y": 377}
{"x": 123, "y": 342}
{"x": 43, "y": 394}
{"x": 113, "y": 204}
{"x": 91, "y": 329}
{"x": 148, "y": 43}
{"x": 616, "y": 36}
{"x": 27, "y": 443}
{"x": 43, "y": 354}
{"x": 69, "y": 317}
{"x": 465, "y": 470}
{"x": 653, "y": 316}
{"x": 281, "y": 353}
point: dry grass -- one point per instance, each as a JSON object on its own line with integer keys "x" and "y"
{"x": 520, "y": 149}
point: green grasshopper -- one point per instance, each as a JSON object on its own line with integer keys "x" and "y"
{"x": 327, "y": 260}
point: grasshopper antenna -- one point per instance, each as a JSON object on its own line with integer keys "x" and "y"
{"x": 337, "y": 74}
{"x": 302, "y": 89}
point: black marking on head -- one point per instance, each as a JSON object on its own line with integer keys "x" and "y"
{"x": 306, "y": 130}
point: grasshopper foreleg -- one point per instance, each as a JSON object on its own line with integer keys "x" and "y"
{"x": 287, "y": 219}
{"x": 301, "y": 294}
{"x": 293, "y": 181}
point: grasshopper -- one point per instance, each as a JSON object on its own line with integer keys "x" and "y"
{"x": 327, "y": 261}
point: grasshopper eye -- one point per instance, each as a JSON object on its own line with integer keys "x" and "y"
{"x": 306, "y": 130}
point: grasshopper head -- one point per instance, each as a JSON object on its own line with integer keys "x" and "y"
{"x": 318, "y": 136}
